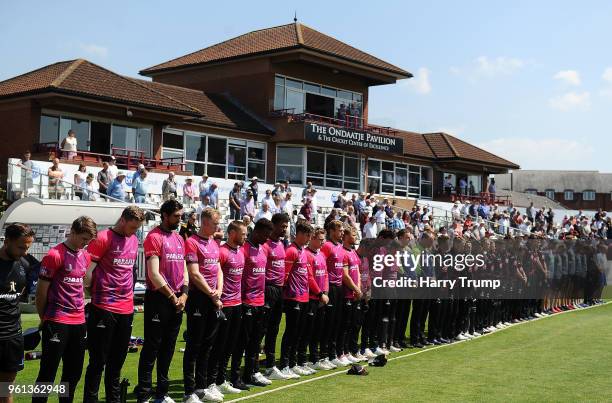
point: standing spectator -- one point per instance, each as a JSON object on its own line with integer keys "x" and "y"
{"x": 370, "y": 229}
{"x": 213, "y": 196}
{"x": 306, "y": 190}
{"x": 268, "y": 199}
{"x": 89, "y": 192}
{"x": 492, "y": 189}
{"x": 136, "y": 176}
{"x": 360, "y": 204}
{"x": 472, "y": 189}
{"x": 306, "y": 209}
{"x": 463, "y": 186}
{"x": 342, "y": 112}
{"x": 203, "y": 186}
{"x": 116, "y": 189}
{"x": 247, "y": 206}
{"x": 69, "y": 145}
{"x": 234, "y": 202}
{"x": 287, "y": 205}
{"x": 56, "y": 175}
{"x": 248, "y": 222}
{"x": 26, "y": 173}
{"x": 104, "y": 178}
{"x": 263, "y": 213}
{"x": 140, "y": 187}
{"x": 79, "y": 181}
{"x": 456, "y": 211}
{"x": 396, "y": 223}
{"x": 531, "y": 212}
{"x": 287, "y": 187}
{"x": 189, "y": 192}
{"x": 313, "y": 202}
{"x": 169, "y": 187}
{"x": 112, "y": 168}
{"x": 254, "y": 187}
{"x": 448, "y": 185}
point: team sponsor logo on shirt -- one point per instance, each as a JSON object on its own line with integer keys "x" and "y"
{"x": 73, "y": 280}
{"x": 259, "y": 270}
{"x": 211, "y": 260}
{"x": 236, "y": 270}
{"x": 174, "y": 256}
{"x": 123, "y": 262}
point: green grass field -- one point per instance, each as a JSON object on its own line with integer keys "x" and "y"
{"x": 566, "y": 357}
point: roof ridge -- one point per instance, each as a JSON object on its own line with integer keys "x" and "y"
{"x": 210, "y": 46}
{"x": 298, "y": 33}
{"x": 163, "y": 84}
{"x": 426, "y": 138}
{"x": 69, "y": 70}
{"x": 475, "y": 146}
{"x": 162, "y": 94}
{"x": 450, "y": 145}
{"x": 38, "y": 69}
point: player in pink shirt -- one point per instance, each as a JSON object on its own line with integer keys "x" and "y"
{"x": 253, "y": 289}
{"x": 273, "y": 307}
{"x": 61, "y": 307}
{"x": 295, "y": 295}
{"x": 110, "y": 278}
{"x": 352, "y": 295}
{"x": 334, "y": 257}
{"x": 203, "y": 305}
{"x": 231, "y": 260}
{"x": 167, "y": 287}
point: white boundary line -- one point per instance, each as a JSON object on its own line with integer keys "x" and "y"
{"x": 425, "y": 350}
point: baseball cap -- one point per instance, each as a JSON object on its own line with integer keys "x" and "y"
{"x": 120, "y": 173}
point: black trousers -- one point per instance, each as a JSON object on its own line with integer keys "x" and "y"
{"x": 108, "y": 337}
{"x": 66, "y": 343}
{"x": 316, "y": 330}
{"x": 420, "y": 310}
{"x": 295, "y": 313}
{"x": 272, "y": 315}
{"x": 353, "y": 317}
{"x": 305, "y": 332}
{"x": 234, "y": 213}
{"x": 202, "y": 327}
{"x": 161, "y": 328}
{"x": 225, "y": 344}
{"x": 401, "y": 321}
{"x": 248, "y": 342}
{"x": 367, "y": 328}
{"x": 436, "y": 319}
{"x": 333, "y": 322}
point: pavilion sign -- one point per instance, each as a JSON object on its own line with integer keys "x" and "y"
{"x": 343, "y": 137}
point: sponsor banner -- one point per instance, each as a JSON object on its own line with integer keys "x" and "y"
{"x": 352, "y": 137}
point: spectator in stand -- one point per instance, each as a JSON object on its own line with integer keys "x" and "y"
{"x": 26, "y": 173}
{"x": 69, "y": 145}
{"x": 463, "y": 186}
{"x": 287, "y": 187}
{"x": 247, "y": 206}
{"x": 397, "y": 223}
{"x": 306, "y": 209}
{"x": 136, "y": 175}
{"x": 249, "y": 224}
{"x": 380, "y": 219}
{"x": 360, "y": 204}
{"x": 234, "y": 202}
{"x": 169, "y": 187}
{"x": 306, "y": 190}
{"x": 314, "y": 204}
{"x": 104, "y": 178}
{"x": 448, "y": 185}
{"x": 213, "y": 196}
{"x": 116, "y": 189}
{"x": 112, "y": 169}
{"x": 456, "y": 211}
{"x": 277, "y": 204}
{"x": 206, "y": 203}
{"x": 287, "y": 205}
{"x": 189, "y": 192}
{"x": 56, "y": 175}
{"x": 89, "y": 193}
{"x": 342, "y": 112}
{"x": 254, "y": 187}
{"x": 370, "y": 228}
{"x": 203, "y": 186}
{"x": 268, "y": 199}
{"x": 189, "y": 227}
{"x": 140, "y": 187}
{"x": 79, "y": 181}
{"x": 355, "y": 115}
{"x": 472, "y": 189}
{"x": 263, "y": 213}
{"x": 492, "y": 190}
{"x": 531, "y": 212}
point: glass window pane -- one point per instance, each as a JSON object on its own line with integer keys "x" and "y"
{"x": 328, "y": 91}
{"x": 81, "y": 128}
{"x": 289, "y": 155}
{"x": 49, "y": 129}
{"x": 312, "y": 88}
{"x": 171, "y": 154}
{"x": 216, "y": 171}
{"x": 351, "y": 168}
{"x": 257, "y": 151}
{"x": 426, "y": 190}
{"x": 351, "y": 185}
{"x": 387, "y": 166}
{"x": 414, "y": 179}
{"x": 294, "y": 174}
{"x": 387, "y": 189}
{"x": 315, "y": 181}
{"x": 295, "y": 101}
{"x": 196, "y": 168}
{"x": 293, "y": 83}
{"x": 426, "y": 174}
{"x": 279, "y": 97}
{"x": 373, "y": 185}
{"x": 414, "y": 168}
{"x": 315, "y": 162}
{"x": 333, "y": 183}
{"x": 145, "y": 141}
{"x": 356, "y": 97}
{"x": 345, "y": 95}
{"x": 195, "y": 147}
{"x": 373, "y": 168}
{"x": 400, "y": 177}
{"x": 173, "y": 140}
{"x": 401, "y": 193}
{"x": 124, "y": 137}
{"x": 334, "y": 164}
{"x": 257, "y": 169}
{"x": 279, "y": 80}
{"x": 387, "y": 177}
{"x": 216, "y": 151}
{"x": 236, "y": 158}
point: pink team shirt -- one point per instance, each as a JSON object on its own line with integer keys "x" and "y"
{"x": 351, "y": 259}
{"x": 275, "y": 268}
{"x": 232, "y": 264}
{"x": 364, "y": 275}
{"x": 318, "y": 268}
{"x": 254, "y": 275}
{"x": 169, "y": 247}
{"x": 334, "y": 257}
{"x": 204, "y": 252}
{"x": 296, "y": 274}
{"x": 112, "y": 283}
{"x": 65, "y": 269}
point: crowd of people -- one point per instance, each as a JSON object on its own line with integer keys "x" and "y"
{"x": 235, "y": 286}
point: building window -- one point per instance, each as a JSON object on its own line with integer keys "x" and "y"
{"x": 550, "y": 193}
{"x": 329, "y": 169}
{"x": 531, "y": 191}
{"x": 568, "y": 195}
{"x": 131, "y": 139}
{"x": 588, "y": 195}
{"x": 290, "y": 164}
{"x": 49, "y": 129}
{"x": 299, "y": 96}
{"x": 218, "y": 157}
{"x": 394, "y": 178}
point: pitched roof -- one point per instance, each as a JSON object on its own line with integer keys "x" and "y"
{"x": 268, "y": 40}
{"x": 445, "y": 146}
{"x": 83, "y": 78}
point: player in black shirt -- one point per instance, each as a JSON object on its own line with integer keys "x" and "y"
{"x": 13, "y": 266}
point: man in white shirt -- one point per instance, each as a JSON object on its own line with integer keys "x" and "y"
{"x": 315, "y": 212}
{"x": 456, "y": 211}
{"x": 203, "y": 186}
{"x": 263, "y": 213}
{"x": 287, "y": 205}
{"x": 380, "y": 216}
{"x": 112, "y": 169}
{"x": 268, "y": 200}
{"x": 369, "y": 229}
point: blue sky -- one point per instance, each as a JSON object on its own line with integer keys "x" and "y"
{"x": 530, "y": 80}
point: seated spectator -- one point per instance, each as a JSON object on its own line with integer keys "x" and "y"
{"x": 89, "y": 193}
{"x": 248, "y": 222}
{"x": 140, "y": 187}
{"x": 203, "y": 186}
{"x": 169, "y": 187}
{"x": 370, "y": 228}
{"x": 213, "y": 196}
{"x": 206, "y": 203}
{"x": 56, "y": 175}
{"x": 189, "y": 192}
{"x": 116, "y": 189}
{"x": 69, "y": 145}
{"x": 306, "y": 209}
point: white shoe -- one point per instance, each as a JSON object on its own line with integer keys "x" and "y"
{"x": 289, "y": 374}
{"x": 228, "y": 389}
{"x": 467, "y": 335}
{"x": 168, "y": 399}
{"x": 300, "y": 371}
{"x": 208, "y": 395}
{"x": 385, "y": 350}
{"x": 214, "y": 390}
{"x": 499, "y": 326}
{"x": 275, "y": 374}
{"x": 379, "y": 351}
{"x": 329, "y": 363}
{"x": 192, "y": 398}
{"x": 538, "y": 315}
{"x": 394, "y": 349}
{"x": 507, "y": 324}
{"x": 258, "y": 376}
{"x": 310, "y": 366}
{"x": 476, "y": 334}
{"x": 461, "y": 337}
{"x": 345, "y": 360}
{"x": 352, "y": 359}
{"x": 369, "y": 354}
{"x": 338, "y": 362}
{"x": 360, "y": 357}
{"x": 320, "y": 366}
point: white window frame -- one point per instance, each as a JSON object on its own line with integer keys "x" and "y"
{"x": 548, "y": 192}
{"x": 570, "y": 193}
{"x": 407, "y": 188}
{"x": 590, "y": 193}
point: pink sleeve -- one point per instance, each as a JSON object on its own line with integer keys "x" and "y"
{"x": 152, "y": 245}
{"x": 98, "y": 247}
{"x": 191, "y": 251}
{"x": 50, "y": 264}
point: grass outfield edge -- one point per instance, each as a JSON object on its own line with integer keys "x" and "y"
{"x": 425, "y": 350}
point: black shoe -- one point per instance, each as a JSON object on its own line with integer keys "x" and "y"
{"x": 402, "y": 344}
{"x": 238, "y": 384}
{"x": 436, "y": 342}
{"x": 443, "y": 340}
{"x": 426, "y": 343}
{"x": 254, "y": 382}
{"x": 417, "y": 345}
